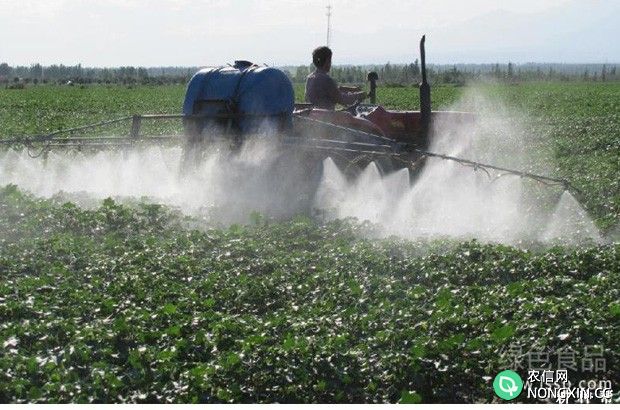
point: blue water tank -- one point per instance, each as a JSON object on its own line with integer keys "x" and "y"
{"x": 264, "y": 93}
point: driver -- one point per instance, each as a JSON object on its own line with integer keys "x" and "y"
{"x": 321, "y": 90}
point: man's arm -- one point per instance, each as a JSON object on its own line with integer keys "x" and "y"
{"x": 351, "y": 98}
{"x": 347, "y": 89}
{"x": 344, "y": 98}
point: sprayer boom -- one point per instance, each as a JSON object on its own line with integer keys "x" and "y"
{"x": 355, "y": 143}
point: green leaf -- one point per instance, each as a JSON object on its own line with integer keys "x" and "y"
{"x": 288, "y": 343}
{"x": 418, "y": 351}
{"x": 174, "y": 330}
{"x": 232, "y": 359}
{"x": 502, "y": 333}
{"x": 169, "y": 309}
{"x": 410, "y": 398}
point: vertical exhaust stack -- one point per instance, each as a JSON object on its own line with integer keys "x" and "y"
{"x": 425, "y": 98}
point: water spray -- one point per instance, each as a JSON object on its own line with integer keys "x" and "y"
{"x": 262, "y": 98}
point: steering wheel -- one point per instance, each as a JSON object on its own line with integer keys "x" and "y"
{"x": 352, "y": 109}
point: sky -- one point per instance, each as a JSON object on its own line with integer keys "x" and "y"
{"x": 108, "y": 33}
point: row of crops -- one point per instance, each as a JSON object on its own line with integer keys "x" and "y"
{"x": 126, "y": 303}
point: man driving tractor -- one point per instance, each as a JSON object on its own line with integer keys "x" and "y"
{"x": 321, "y": 90}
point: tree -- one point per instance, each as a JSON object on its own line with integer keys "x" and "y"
{"x": 497, "y": 71}
{"x": 143, "y": 74}
{"x": 5, "y": 70}
{"x": 36, "y": 71}
{"x": 301, "y": 73}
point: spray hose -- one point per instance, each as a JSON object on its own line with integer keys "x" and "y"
{"x": 507, "y": 171}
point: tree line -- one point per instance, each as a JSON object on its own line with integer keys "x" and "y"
{"x": 62, "y": 74}
{"x": 459, "y": 74}
{"x": 389, "y": 74}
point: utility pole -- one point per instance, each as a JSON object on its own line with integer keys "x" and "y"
{"x": 329, "y": 17}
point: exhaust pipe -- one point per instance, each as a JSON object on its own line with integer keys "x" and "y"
{"x": 425, "y": 98}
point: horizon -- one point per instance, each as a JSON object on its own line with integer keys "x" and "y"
{"x": 185, "y": 33}
{"x": 365, "y": 65}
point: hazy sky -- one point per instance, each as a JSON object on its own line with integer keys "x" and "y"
{"x": 279, "y": 32}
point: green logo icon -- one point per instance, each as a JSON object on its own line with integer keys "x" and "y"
{"x": 507, "y": 385}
